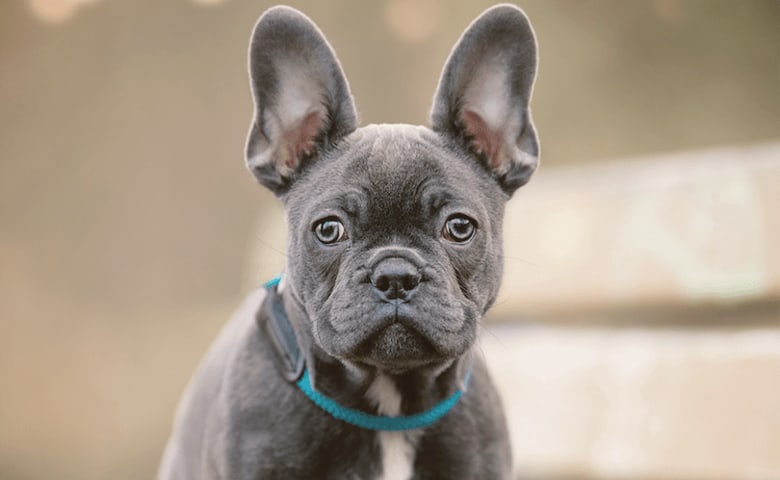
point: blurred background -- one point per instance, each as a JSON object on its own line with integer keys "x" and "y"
{"x": 638, "y": 331}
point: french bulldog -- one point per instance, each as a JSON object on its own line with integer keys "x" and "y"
{"x": 359, "y": 363}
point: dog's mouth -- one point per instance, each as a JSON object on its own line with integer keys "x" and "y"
{"x": 397, "y": 336}
{"x": 397, "y": 347}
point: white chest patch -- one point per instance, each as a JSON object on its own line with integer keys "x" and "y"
{"x": 398, "y": 448}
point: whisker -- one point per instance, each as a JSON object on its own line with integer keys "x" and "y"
{"x": 270, "y": 247}
{"x": 494, "y": 335}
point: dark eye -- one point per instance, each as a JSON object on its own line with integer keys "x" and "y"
{"x": 330, "y": 231}
{"x": 459, "y": 229}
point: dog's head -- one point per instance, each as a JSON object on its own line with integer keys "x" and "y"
{"x": 394, "y": 245}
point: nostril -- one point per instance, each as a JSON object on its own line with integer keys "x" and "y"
{"x": 410, "y": 282}
{"x": 382, "y": 283}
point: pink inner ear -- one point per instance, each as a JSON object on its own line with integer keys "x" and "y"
{"x": 300, "y": 139}
{"x": 483, "y": 139}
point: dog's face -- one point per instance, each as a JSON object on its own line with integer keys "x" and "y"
{"x": 397, "y": 247}
{"x": 394, "y": 250}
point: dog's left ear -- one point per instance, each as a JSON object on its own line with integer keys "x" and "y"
{"x": 302, "y": 99}
{"x": 484, "y": 93}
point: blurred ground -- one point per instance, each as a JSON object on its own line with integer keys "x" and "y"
{"x": 127, "y": 218}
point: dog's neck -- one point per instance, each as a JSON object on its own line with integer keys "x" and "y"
{"x": 368, "y": 388}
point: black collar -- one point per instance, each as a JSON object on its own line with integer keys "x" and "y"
{"x": 289, "y": 357}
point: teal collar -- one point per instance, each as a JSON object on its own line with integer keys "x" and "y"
{"x": 377, "y": 422}
{"x": 290, "y": 360}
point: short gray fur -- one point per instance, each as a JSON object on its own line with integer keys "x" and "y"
{"x": 395, "y": 295}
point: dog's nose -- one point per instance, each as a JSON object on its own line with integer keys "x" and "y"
{"x": 395, "y": 279}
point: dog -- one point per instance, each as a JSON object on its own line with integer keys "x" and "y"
{"x": 358, "y": 363}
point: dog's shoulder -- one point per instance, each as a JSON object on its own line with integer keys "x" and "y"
{"x": 238, "y": 342}
{"x": 236, "y": 364}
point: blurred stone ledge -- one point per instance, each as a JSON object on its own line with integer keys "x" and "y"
{"x": 691, "y": 228}
{"x": 636, "y": 403}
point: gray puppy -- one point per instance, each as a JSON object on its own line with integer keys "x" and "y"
{"x": 358, "y": 364}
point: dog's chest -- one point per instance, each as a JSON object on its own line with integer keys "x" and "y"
{"x": 397, "y": 449}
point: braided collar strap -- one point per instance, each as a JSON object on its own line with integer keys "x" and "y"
{"x": 377, "y": 422}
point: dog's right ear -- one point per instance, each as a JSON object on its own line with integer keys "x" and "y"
{"x": 302, "y": 99}
{"x": 484, "y": 94}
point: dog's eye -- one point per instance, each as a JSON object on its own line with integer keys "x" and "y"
{"x": 330, "y": 231}
{"x": 459, "y": 229}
